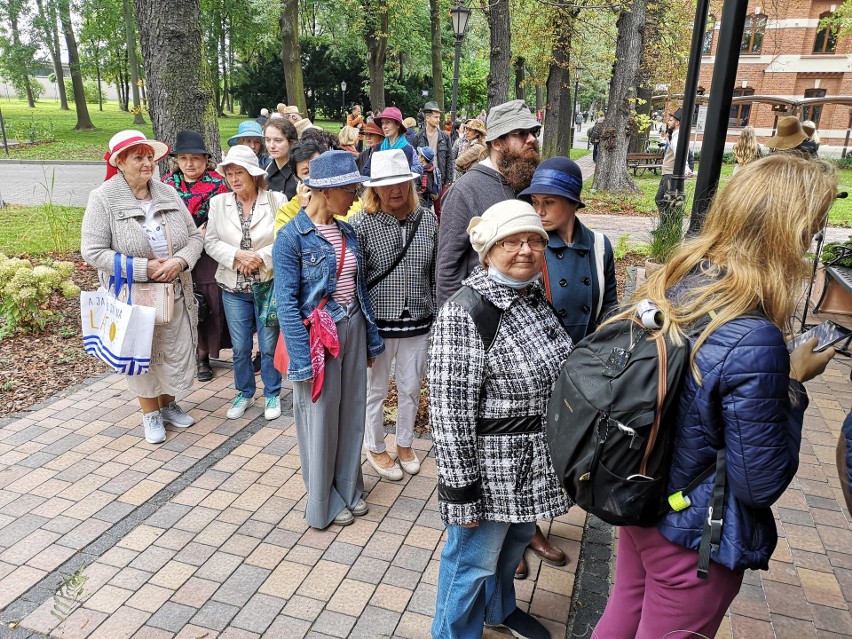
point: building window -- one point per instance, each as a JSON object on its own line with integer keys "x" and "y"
{"x": 740, "y": 112}
{"x": 813, "y": 112}
{"x": 826, "y": 37}
{"x": 752, "y": 41}
{"x": 708, "y": 35}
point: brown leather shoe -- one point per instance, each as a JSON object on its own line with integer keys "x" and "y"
{"x": 521, "y": 570}
{"x": 546, "y": 550}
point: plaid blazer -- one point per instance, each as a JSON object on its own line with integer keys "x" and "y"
{"x": 413, "y": 280}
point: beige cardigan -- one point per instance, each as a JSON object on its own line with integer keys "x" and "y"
{"x": 224, "y": 233}
{"x": 111, "y": 224}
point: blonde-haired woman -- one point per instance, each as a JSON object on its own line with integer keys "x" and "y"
{"x": 746, "y": 149}
{"x": 399, "y": 239}
{"x": 744, "y": 398}
{"x": 348, "y": 138}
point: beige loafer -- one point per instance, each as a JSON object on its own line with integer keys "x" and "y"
{"x": 411, "y": 467}
{"x": 394, "y": 473}
{"x": 344, "y": 518}
{"x": 360, "y": 509}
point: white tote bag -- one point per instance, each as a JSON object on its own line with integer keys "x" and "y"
{"x": 118, "y": 333}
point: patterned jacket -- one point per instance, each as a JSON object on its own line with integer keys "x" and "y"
{"x": 484, "y": 474}
{"x": 413, "y": 279}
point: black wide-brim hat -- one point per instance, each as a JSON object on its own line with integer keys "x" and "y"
{"x": 189, "y": 142}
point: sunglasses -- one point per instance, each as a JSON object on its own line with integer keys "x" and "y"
{"x": 357, "y": 191}
{"x": 523, "y": 133}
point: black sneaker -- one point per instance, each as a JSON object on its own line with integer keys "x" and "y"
{"x": 524, "y": 626}
{"x": 256, "y": 363}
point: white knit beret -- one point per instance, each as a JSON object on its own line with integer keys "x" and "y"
{"x": 500, "y": 221}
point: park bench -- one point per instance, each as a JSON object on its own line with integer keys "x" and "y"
{"x": 641, "y": 162}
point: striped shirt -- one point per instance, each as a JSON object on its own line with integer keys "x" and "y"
{"x": 345, "y": 292}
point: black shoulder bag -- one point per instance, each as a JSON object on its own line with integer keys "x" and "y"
{"x": 374, "y": 281}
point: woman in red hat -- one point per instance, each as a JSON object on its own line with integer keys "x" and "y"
{"x": 390, "y": 121}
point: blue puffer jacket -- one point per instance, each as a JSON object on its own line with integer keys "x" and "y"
{"x": 744, "y": 405}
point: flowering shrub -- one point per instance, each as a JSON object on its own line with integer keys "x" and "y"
{"x": 25, "y": 292}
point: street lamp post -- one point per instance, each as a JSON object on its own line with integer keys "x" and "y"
{"x": 343, "y": 90}
{"x": 459, "y": 14}
{"x": 579, "y": 69}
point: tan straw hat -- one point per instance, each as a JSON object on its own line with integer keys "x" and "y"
{"x": 788, "y": 136}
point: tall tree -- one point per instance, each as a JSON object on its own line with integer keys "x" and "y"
{"x": 437, "y": 65}
{"x": 291, "y": 54}
{"x": 180, "y": 95}
{"x": 45, "y": 22}
{"x": 560, "y": 95}
{"x": 500, "y": 26}
{"x": 376, "y": 37}
{"x": 84, "y": 122}
{"x": 17, "y": 55}
{"x": 611, "y": 170}
{"x": 130, "y": 34}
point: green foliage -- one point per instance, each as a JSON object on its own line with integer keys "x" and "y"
{"x": 834, "y": 250}
{"x": 31, "y": 129}
{"x": 30, "y": 230}
{"x": 666, "y": 235}
{"x": 20, "y": 87}
{"x": 844, "y": 163}
{"x": 90, "y": 91}
{"x": 327, "y": 62}
{"x": 622, "y": 247}
{"x": 69, "y": 595}
{"x": 26, "y": 289}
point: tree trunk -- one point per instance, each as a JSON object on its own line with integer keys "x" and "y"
{"x": 520, "y": 91}
{"x": 130, "y": 36}
{"x": 24, "y": 72}
{"x": 539, "y": 98}
{"x": 183, "y": 100}
{"x": 501, "y": 52}
{"x": 51, "y": 41}
{"x": 639, "y": 140}
{"x": 611, "y": 169}
{"x": 291, "y": 55}
{"x": 223, "y": 96}
{"x": 84, "y": 122}
{"x": 559, "y": 126}
{"x": 376, "y": 36}
{"x": 437, "y": 66}
{"x": 100, "y": 91}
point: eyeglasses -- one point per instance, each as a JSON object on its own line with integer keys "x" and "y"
{"x": 524, "y": 133}
{"x": 357, "y": 191}
{"x": 512, "y": 245}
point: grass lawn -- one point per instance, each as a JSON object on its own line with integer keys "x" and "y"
{"x": 40, "y": 229}
{"x": 48, "y": 121}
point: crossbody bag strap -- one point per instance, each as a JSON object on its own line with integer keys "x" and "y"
{"x": 373, "y": 282}
{"x": 545, "y": 280}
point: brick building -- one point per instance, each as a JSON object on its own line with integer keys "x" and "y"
{"x": 786, "y": 54}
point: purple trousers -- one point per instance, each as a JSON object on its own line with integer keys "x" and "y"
{"x": 658, "y": 594}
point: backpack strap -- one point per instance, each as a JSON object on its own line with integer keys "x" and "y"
{"x": 485, "y": 314}
{"x": 600, "y": 250}
{"x": 711, "y": 536}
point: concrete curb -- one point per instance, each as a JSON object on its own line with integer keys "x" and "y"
{"x": 591, "y": 581}
{"x": 51, "y": 162}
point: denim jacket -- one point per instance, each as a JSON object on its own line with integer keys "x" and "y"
{"x": 305, "y": 272}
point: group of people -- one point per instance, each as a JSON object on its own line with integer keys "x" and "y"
{"x": 487, "y": 302}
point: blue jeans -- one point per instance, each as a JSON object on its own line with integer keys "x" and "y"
{"x": 242, "y": 320}
{"x": 476, "y": 580}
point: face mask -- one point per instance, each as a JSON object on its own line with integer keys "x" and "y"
{"x": 501, "y": 278}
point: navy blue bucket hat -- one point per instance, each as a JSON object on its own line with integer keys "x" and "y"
{"x": 556, "y": 176}
{"x": 333, "y": 169}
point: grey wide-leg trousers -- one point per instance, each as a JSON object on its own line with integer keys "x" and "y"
{"x": 331, "y": 431}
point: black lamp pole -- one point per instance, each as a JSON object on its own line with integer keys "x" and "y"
{"x": 718, "y": 109}
{"x": 459, "y": 15}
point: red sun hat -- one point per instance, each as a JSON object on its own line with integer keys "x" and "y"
{"x": 391, "y": 113}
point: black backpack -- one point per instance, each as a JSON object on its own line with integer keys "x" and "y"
{"x": 608, "y": 421}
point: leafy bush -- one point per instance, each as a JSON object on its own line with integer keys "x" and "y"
{"x": 834, "y": 250}
{"x": 90, "y": 90}
{"x": 844, "y": 163}
{"x": 26, "y": 289}
{"x": 667, "y": 235}
{"x": 727, "y": 158}
{"x": 32, "y": 130}
{"x": 20, "y": 88}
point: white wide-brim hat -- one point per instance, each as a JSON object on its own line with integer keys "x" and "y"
{"x": 390, "y": 167}
{"x": 243, "y": 156}
{"x": 129, "y": 138}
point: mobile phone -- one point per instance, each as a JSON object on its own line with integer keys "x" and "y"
{"x": 828, "y": 333}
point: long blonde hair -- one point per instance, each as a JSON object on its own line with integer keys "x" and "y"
{"x": 751, "y": 249}
{"x": 746, "y": 148}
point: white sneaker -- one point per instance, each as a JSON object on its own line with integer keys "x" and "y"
{"x": 239, "y": 406}
{"x": 174, "y": 415}
{"x": 155, "y": 432}
{"x": 273, "y": 408}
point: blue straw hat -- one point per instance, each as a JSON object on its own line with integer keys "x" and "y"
{"x": 246, "y": 129}
{"x": 333, "y": 169}
{"x": 556, "y": 176}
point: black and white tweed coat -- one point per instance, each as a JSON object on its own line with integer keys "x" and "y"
{"x": 505, "y": 477}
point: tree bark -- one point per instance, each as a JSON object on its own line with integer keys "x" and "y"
{"x": 376, "y": 37}
{"x": 520, "y": 91}
{"x": 499, "y": 25}
{"x": 134, "y": 64}
{"x": 51, "y": 41}
{"x": 539, "y": 98}
{"x": 291, "y": 55}
{"x": 558, "y": 123}
{"x": 639, "y": 139}
{"x": 84, "y": 122}
{"x": 611, "y": 169}
{"x": 180, "y": 95}
{"x": 437, "y": 66}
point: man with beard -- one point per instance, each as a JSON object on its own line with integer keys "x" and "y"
{"x": 513, "y": 155}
